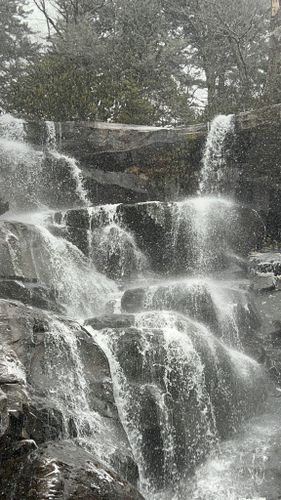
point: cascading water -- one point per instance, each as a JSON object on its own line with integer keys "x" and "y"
{"x": 213, "y": 163}
{"x": 205, "y": 225}
{"x": 20, "y": 164}
{"x": 74, "y": 168}
{"x": 181, "y": 381}
{"x": 182, "y": 386}
{"x": 24, "y": 171}
{"x": 111, "y": 246}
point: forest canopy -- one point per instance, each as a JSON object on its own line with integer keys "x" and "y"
{"x": 148, "y": 62}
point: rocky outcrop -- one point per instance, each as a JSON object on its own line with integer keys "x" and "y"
{"x": 266, "y": 288}
{"x": 180, "y": 391}
{"x": 164, "y": 237}
{"x": 128, "y": 163}
{"x": 256, "y": 153}
{"x": 55, "y": 385}
{"x": 132, "y": 163}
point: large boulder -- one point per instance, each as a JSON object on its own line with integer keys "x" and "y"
{"x": 56, "y": 385}
{"x": 59, "y": 470}
{"x": 227, "y": 308}
{"x": 180, "y": 390}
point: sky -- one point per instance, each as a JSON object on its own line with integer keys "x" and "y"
{"x": 37, "y": 20}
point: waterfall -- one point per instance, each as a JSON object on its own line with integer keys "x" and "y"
{"x": 70, "y": 394}
{"x": 174, "y": 338}
{"x": 182, "y": 381}
{"x": 168, "y": 402}
{"x": 213, "y": 163}
{"x": 57, "y": 264}
{"x": 20, "y": 163}
{"x": 30, "y": 175}
{"x": 80, "y": 287}
{"x": 206, "y": 223}
{"x": 112, "y": 247}
{"x": 73, "y": 165}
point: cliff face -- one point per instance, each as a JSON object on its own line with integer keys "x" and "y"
{"x": 129, "y": 164}
{"x": 257, "y": 163}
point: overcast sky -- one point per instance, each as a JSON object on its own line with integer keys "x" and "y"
{"x": 37, "y": 20}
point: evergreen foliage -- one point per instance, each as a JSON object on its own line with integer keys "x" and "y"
{"x": 140, "y": 61}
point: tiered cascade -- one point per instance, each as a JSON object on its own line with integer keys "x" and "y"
{"x": 155, "y": 288}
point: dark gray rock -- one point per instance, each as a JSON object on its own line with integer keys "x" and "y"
{"x": 30, "y": 294}
{"x": 133, "y": 300}
{"x": 165, "y": 234}
{"x": 4, "y": 206}
{"x": 60, "y": 470}
{"x": 55, "y": 384}
{"x": 113, "y": 321}
{"x": 128, "y": 163}
{"x": 266, "y": 261}
{"x": 181, "y": 387}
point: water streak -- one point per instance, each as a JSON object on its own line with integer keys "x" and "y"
{"x": 213, "y": 163}
{"x": 73, "y": 165}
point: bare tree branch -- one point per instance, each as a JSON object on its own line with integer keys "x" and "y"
{"x": 41, "y": 5}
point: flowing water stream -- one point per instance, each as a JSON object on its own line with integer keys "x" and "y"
{"x": 182, "y": 383}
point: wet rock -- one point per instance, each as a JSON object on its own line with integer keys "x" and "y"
{"x": 4, "y": 206}
{"x": 133, "y": 300}
{"x": 182, "y": 389}
{"x": 18, "y": 244}
{"x": 30, "y": 294}
{"x": 263, "y": 282}
{"x": 55, "y": 384}
{"x": 193, "y": 299}
{"x": 61, "y": 470}
{"x": 113, "y": 321}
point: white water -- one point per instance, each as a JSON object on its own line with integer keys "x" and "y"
{"x": 59, "y": 265}
{"x": 22, "y": 174}
{"x": 213, "y": 163}
{"x": 206, "y": 223}
{"x": 73, "y": 165}
{"x": 112, "y": 247}
{"x": 214, "y": 302}
{"x": 170, "y": 369}
{"x": 20, "y": 164}
{"x": 80, "y": 287}
{"x": 68, "y": 390}
{"x": 173, "y": 344}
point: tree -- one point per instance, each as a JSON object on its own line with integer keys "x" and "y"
{"x": 16, "y": 47}
{"x": 108, "y": 60}
{"x": 226, "y": 42}
{"x": 273, "y": 80}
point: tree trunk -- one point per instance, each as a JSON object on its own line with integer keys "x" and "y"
{"x": 211, "y": 86}
{"x": 274, "y": 65}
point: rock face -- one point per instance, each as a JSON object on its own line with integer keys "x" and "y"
{"x": 181, "y": 390}
{"x": 266, "y": 284}
{"x": 172, "y": 358}
{"x": 165, "y": 237}
{"x": 132, "y": 164}
{"x": 56, "y": 386}
{"x": 256, "y": 152}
